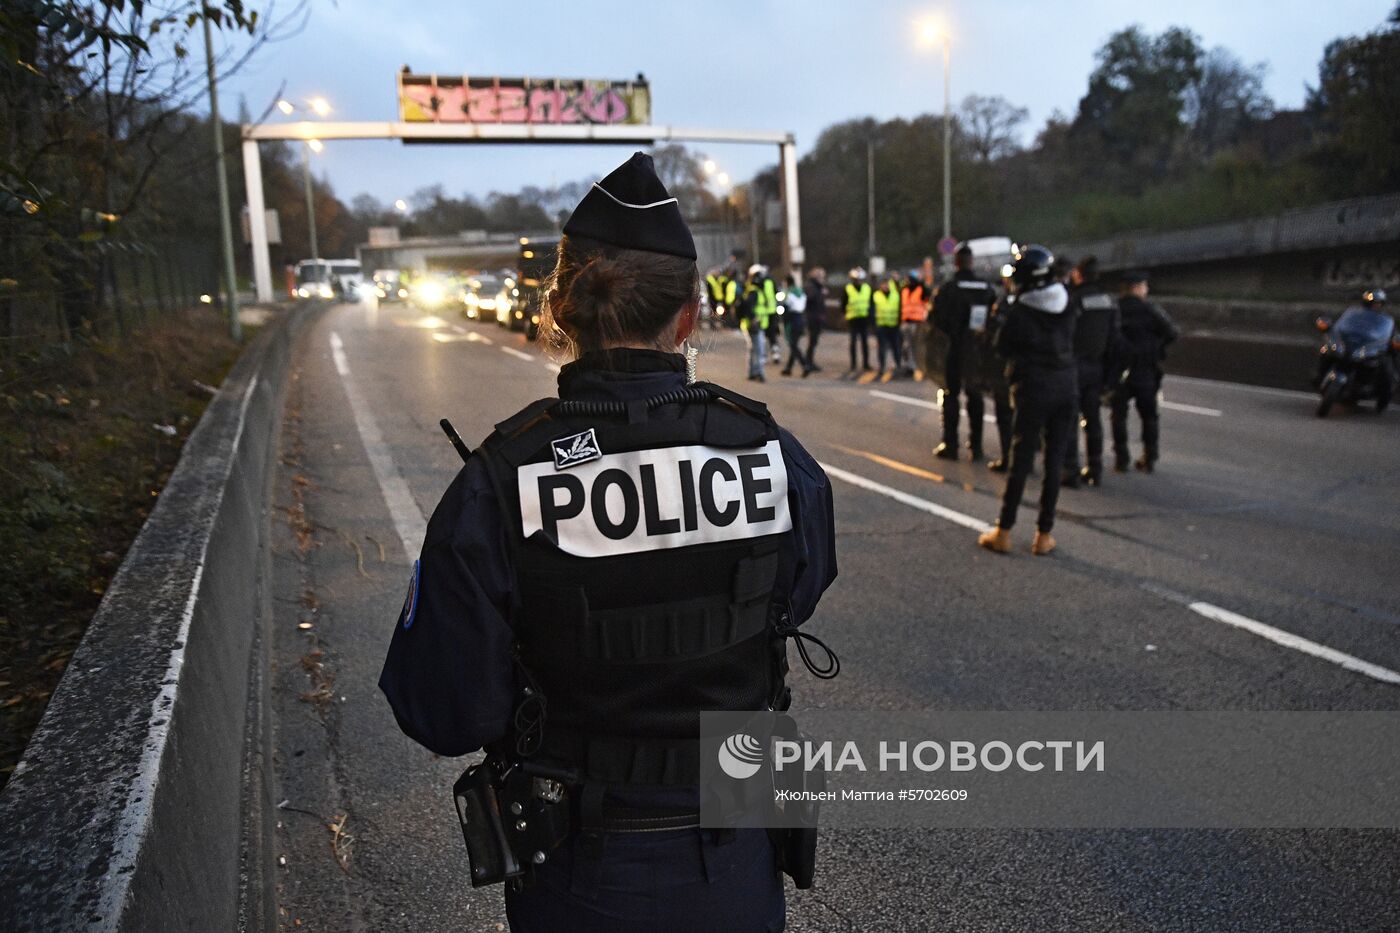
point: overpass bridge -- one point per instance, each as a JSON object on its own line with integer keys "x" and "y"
{"x": 1324, "y": 252}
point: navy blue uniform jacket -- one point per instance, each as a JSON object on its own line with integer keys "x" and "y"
{"x": 449, "y": 674}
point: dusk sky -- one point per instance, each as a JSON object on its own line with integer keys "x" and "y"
{"x": 762, "y": 64}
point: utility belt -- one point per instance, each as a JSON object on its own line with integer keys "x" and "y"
{"x": 515, "y": 814}
{"x": 513, "y": 818}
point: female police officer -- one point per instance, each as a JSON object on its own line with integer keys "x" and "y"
{"x": 606, "y": 566}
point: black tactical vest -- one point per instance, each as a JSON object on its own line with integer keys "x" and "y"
{"x": 645, "y": 540}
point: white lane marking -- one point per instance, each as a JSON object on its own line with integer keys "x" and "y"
{"x": 1296, "y": 642}
{"x": 408, "y": 520}
{"x": 459, "y": 328}
{"x": 1243, "y": 387}
{"x": 923, "y": 505}
{"x": 1215, "y": 613}
{"x": 921, "y": 403}
{"x": 893, "y": 397}
{"x": 1192, "y": 409}
{"x": 518, "y": 354}
{"x": 474, "y": 337}
{"x": 136, "y": 814}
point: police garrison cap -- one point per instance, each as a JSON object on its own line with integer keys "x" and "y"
{"x": 632, "y": 209}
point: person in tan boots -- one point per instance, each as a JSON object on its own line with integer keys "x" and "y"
{"x": 1037, "y": 341}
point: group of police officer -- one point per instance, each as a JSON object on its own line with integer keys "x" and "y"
{"x": 1050, "y": 352}
{"x": 1072, "y": 348}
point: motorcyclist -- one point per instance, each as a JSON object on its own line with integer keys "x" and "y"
{"x": 1373, "y": 303}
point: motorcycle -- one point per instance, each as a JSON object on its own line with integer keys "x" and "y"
{"x": 1355, "y": 364}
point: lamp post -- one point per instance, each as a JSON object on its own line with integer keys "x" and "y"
{"x": 931, "y": 31}
{"x": 312, "y": 145}
{"x": 225, "y": 220}
{"x": 320, "y": 107}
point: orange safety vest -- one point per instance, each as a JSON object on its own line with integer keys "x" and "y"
{"x": 913, "y": 306}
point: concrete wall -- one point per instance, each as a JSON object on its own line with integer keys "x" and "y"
{"x": 127, "y": 810}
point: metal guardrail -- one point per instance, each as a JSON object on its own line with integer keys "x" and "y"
{"x": 1338, "y": 223}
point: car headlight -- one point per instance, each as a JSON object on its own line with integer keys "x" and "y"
{"x": 431, "y": 293}
{"x": 403, "y": 293}
{"x": 488, "y": 304}
{"x": 327, "y": 291}
{"x": 303, "y": 293}
{"x": 534, "y": 319}
{"x": 519, "y": 315}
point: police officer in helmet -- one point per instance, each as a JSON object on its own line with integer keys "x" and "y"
{"x": 608, "y": 564}
{"x": 1037, "y": 341}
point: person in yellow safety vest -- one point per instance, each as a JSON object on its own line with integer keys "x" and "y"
{"x": 722, "y": 290}
{"x": 760, "y": 305}
{"x": 857, "y": 307}
{"x": 886, "y": 300}
{"x": 913, "y": 312}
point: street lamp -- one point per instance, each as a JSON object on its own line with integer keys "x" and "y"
{"x": 401, "y": 206}
{"x": 312, "y": 145}
{"x": 320, "y": 107}
{"x": 709, "y": 166}
{"x": 933, "y": 31}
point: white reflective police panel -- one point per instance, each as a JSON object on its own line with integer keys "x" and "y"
{"x": 646, "y": 500}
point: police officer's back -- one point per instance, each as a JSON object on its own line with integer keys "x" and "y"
{"x": 1096, "y": 337}
{"x": 606, "y": 566}
{"x": 1146, "y": 332}
{"x": 961, "y": 309}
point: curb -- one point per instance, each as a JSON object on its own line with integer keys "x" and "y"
{"x": 126, "y": 811}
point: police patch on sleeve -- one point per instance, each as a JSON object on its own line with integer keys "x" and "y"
{"x": 575, "y": 449}
{"x": 646, "y": 500}
{"x": 410, "y": 602}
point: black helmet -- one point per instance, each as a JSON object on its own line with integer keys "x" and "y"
{"x": 1031, "y": 267}
{"x": 1373, "y": 296}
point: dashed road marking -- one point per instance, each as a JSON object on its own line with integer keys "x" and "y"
{"x": 920, "y": 403}
{"x": 1296, "y": 642}
{"x": 1243, "y": 387}
{"x": 519, "y": 354}
{"x": 1192, "y": 409}
{"x": 1206, "y": 610}
{"x": 923, "y": 505}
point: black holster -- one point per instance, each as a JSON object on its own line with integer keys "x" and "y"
{"x": 796, "y": 842}
{"x": 511, "y": 820}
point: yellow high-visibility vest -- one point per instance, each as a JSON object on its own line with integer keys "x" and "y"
{"x": 887, "y": 307}
{"x": 857, "y": 300}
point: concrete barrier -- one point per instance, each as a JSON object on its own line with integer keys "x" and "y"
{"x": 127, "y": 810}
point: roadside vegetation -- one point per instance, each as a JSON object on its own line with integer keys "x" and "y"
{"x": 88, "y": 436}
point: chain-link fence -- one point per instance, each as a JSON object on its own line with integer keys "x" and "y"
{"x": 53, "y": 290}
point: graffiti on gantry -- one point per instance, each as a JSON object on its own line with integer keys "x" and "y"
{"x": 461, "y": 99}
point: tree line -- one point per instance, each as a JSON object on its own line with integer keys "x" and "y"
{"x": 1168, "y": 133}
{"x": 106, "y": 165}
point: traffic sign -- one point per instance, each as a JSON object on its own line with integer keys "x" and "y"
{"x": 947, "y": 245}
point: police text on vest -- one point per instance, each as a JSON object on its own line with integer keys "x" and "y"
{"x": 647, "y": 500}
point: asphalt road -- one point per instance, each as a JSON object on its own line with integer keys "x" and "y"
{"x": 1254, "y": 570}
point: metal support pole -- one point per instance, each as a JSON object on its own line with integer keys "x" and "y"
{"x": 870, "y": 194}
{"x": 235, "y": 328}
{"x": 257, "y": 219}
{"x": 794, "y": 255}
{"x": 947, "y": 139}
{"x": 310, "y": 201}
